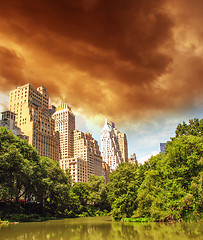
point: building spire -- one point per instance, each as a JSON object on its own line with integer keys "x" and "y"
{"x": 107, "y": 126}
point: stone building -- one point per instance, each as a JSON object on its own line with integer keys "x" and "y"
{"x": 8, "y": 121}
{"x": 110, "y": 150}
{"x": 32, "y": 115}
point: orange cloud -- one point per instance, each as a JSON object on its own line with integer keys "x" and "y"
{"x": 118, "y": 58}
{"x": 11, "y": 68}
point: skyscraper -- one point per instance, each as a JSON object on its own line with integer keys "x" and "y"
{"x": 122, "y": 142}
{"x": 65, "y": 125}
{"x": 110, "y": 150}
{"x": 32, "y": 116}
{"x": 77, "y": 168}
{"x": 133, "y": 159}
{"x": 87, "y": 148}
{"x": 162, "y": 147}
{"x": 8, "y": 121}
{"x": 106, "y": 172}
{"x": 79, "y": 152}
{"x": 87, "y": 158}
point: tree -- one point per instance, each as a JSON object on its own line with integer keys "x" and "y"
{"x": 19, "y": 164}
{"x": 122, "y": 190}
{"x": 98, "y": 192}
{"x": 55, "y": 186}
{"x": 24, "y": 174}
{"x": 166, "y": 192}
{"x": 195, "y": 128}
{"x": 80, "y": 191}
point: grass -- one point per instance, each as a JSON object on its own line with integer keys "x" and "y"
{"x": 27, "y": 218}
{"x": 136, "y": 220}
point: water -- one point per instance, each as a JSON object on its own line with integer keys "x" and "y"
{"x": 100, "y": 228}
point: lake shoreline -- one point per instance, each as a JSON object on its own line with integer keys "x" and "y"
{"x": 101, "y": 228}
{"x": 23, "y": 218}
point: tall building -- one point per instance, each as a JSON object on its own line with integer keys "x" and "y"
{"x": 65, "y": 125}
{"x": 123, "y": 144}
{"x": 133, "y": 159}
{"x": 8, "y": 121}
{"x": 162, "y": 147}
{"x": 87, "y": 158}
{"x": 52, "y": 110}
{"x": 87, "y": 148}
{"x": 106, "y": 172}
{"x": 79, "y": 152}
{"x": 32, "y": 116}
{"x": 110, "y": 150}
{"x": 77, "y": 168}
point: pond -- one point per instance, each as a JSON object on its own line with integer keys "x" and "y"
{"x": 100, "y": 228}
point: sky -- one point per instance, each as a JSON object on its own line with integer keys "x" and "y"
{"x": 137, "y": 62}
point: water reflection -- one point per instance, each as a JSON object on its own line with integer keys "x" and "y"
{"x": 100, "y": 228}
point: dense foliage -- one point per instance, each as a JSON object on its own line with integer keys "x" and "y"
{"x": 167, "y": 187}
{"x": 31, "y": 184}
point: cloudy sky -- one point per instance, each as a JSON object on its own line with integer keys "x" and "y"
{"x": 137, "y": 62}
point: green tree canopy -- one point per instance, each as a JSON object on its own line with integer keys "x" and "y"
{"x": 195, "y": 128}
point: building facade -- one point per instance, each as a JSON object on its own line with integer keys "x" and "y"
{"x": 123, "y": 144}
{"x": 65, "y": 126}
{"x": 32, "y": 116}
{"x": 133, "y": 159}
{"x": 77, "y": 168}
{"x": 79, "y": 152}
{"x": 8, "y": 121}
{"x": 110, "y": 150}
{"x": 106, "y": 172}
{"x": 87, "y": 148}
{"x": 162, "y": 147}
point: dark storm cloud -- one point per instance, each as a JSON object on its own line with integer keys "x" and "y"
{"x": 11, "y": 68}
{"x": 106, "y": 56}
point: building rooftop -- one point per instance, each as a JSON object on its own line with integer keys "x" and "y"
{"x": 107, "y": 126}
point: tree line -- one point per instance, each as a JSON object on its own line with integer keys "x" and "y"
{"x": 166, "y": 187}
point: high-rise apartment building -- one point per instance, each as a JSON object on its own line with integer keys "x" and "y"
{"x": 77, "y": 168}
{"x": 106, "y": 172}
{"x": 133, "y": 159}
{"x": 123, "y": 145}
{"x": 8, "y": 121}
{"x": 79, "y": 152}
{"x": 110, "y": 150}
{"x": 87, "y": 158}
{"x": 65, "y": 125}
{"x": 87, "y": 148}
{"x": 162, "y": 147}
{"x": 32, "y": 116}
